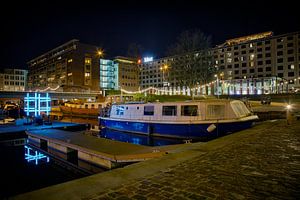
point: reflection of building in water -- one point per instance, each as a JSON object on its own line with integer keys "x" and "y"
{"x": 33, "y": 155}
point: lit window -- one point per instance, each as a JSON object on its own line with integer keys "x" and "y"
{"x": 88, "y": 61}
{"x": 292, "y": 66}
{"x": 70, "y": 60}
{"x": 87, "y": 74}
{"x": 69, "y": 74}
{"x": 251, "y": 56}
{"x": 250, "y": 45}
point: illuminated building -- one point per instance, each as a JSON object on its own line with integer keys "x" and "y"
{"x": 260, "y": 62}
{"x": 255, "y": 64}
{"x": 119, "y": 73}
{"x": 13, "y": 80}
{"x": 128, "y": 73}
{"x": 73, "y": 66}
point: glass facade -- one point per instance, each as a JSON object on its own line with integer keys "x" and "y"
{"x": 109, "y": 75}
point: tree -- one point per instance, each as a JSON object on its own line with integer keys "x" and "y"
{"x": 134, "y": 50}
{"x": 192, "y": 64}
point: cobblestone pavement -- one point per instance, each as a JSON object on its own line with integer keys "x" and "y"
{"x": 264, "y": 165}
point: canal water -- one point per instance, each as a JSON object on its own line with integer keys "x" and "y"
{"x": 137, "y": 139}
{"x": 24, "y": 168}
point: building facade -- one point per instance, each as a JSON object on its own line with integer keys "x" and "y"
{"x": 255, "y": 64}
{"x": 128, "y": 73}
{"x": 119, "y": 73}
{"x": 73, "y": 66}
{"x": 260, "y": 63}
{"x": 13, "y": 80}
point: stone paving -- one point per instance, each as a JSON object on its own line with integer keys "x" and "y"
{"x": 263, "y": 165}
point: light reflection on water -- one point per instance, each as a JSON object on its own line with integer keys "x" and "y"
{"x": 136, "y": 138}
{"x": 34, "y": 155}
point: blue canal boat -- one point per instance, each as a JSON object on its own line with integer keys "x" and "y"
{"x": 184, "y": 120}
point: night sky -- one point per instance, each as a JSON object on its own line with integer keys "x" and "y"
{"x": 31, "y": 29}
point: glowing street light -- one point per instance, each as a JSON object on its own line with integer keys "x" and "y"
{"x": 100, "y": 52}
{"x": 217, "y": 88}
{"x": 163, "y": 69}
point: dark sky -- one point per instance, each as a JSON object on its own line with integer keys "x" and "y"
{"x": 32, "y": 28}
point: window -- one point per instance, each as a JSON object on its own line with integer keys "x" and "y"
{"x": 190, "y": 110}
{"x": 290, "y": 59}
{"x": 290, "y": 44}
{"x": 268, "y": 48}
{"x": 260, "y": 63}
{"x": 290, "y": 74}
{"x": 259, "y": 49}
{"x": 149, "y": 110}
{"x": 169, "y": 110}
{"x": 244, "y": 71}
{"x": 120, "y": 110}
{"x": 260, "y": 69}
{"x": 268, "y": 69}
{"x": 279, "y": 53}
{"x": 279, "y": 67}
{"x": 259, "y": 55}
{"x": 251, "y": 70}
{"x": 280, "y": 75}
{"x": 290, "y": 51}
{"x": 215, "y": 111}
{"x": 268, "y": 61}
{"x": 268, "y": 55}
{"x": 280, "y": 60}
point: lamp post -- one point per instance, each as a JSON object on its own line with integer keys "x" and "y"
{"x": 163, "y": 69}
{"x": 217, "y": 87}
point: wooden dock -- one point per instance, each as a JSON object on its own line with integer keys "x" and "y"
{"x": 98, "y": 151}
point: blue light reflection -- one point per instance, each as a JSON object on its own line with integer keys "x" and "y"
{"x": 33, "y": 155}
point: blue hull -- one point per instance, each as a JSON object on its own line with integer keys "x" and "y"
{"x": 184, "y": 131}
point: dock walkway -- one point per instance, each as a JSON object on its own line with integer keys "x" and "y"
{"x": 99, "y": 151}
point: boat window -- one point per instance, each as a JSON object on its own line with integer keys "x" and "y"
{"x": 137, "y": 108}
{"x": 169, "y": 110}
{"x": 215, "y": 111}
{"x": 120, "y": 110}
{"x": 239, "y": 108}
{"x": 189, "y": 110}
{"x": 149, "y": 110}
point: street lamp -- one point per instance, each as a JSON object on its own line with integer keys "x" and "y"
{"x": 217, "y": 88}
{"x": 163, "y": 69}
{"x": 100, "y": 52}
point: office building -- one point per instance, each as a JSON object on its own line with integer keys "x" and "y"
{"x": 72, "y": 66}
{"x": 255, "y": 64}
{"x": 13, "y": 80}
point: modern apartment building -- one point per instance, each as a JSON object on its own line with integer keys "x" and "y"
{"x": 13, "y": 80}
{"x": 255, "y": 64}
{"x": 73, "y": 66}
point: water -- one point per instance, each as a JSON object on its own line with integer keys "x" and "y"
{"x": 137, "y": 139}
{"x": 25, "y": 168}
